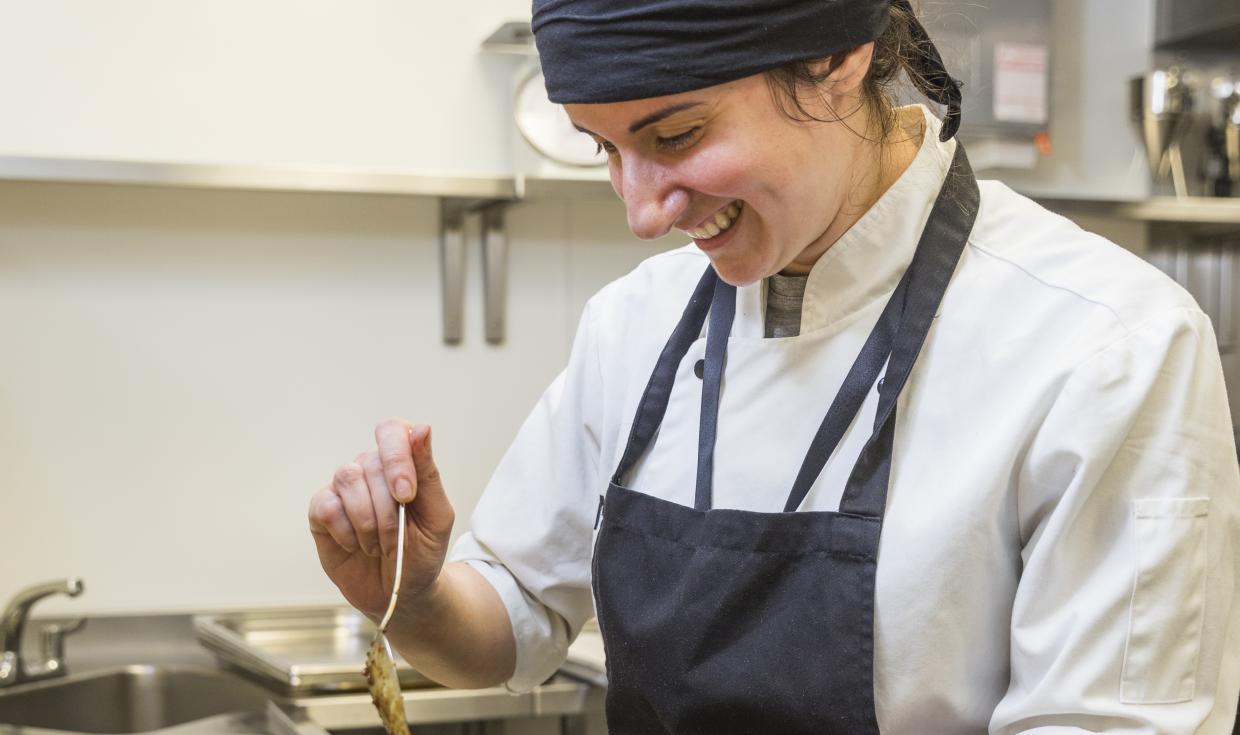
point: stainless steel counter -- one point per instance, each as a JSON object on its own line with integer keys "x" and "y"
{"x": 135, "y": 671}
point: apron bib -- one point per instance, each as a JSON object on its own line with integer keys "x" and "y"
{"x": 719, "y": 621}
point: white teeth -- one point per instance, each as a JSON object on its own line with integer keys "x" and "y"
{"x": 722, "y": 221}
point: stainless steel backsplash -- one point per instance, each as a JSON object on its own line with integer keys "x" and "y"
{"x": 1206, "y": 262}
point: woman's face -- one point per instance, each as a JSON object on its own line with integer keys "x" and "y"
{"x": 727, "y": 159}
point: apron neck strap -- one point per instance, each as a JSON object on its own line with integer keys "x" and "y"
{"x": 722, "y": 313}
{"x": 852, "y": 394}
{"x": 942, "y": 242}
{"x": 653, "y": 404}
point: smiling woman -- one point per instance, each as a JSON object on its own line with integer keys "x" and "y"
{"x": 695, "y": 159}
{"x": 971, "y": 468}
{"x": 682, "y": 160}
{"x": 852, "y": 87}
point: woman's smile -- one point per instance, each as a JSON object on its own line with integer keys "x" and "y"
{"x": 717, "y": 230}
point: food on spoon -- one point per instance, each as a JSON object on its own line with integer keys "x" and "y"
{"x": 384, "y": 687}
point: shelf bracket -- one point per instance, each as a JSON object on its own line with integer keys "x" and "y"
{"x": 494, "y": 271}
{"x": 454, "y": 214}
{"x": 452, "y": 266}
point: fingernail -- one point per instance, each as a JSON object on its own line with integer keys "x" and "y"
{"x": 404, "y": 491}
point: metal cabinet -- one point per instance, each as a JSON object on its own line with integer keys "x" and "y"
{"x": 1202, "y": 25}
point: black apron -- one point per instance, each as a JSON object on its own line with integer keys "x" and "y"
{"x": 720, "y": 621}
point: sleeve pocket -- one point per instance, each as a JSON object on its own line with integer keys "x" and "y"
{"x": 1168, "y": 601}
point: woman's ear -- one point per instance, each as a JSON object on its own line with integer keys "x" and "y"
{"x": 846, "y": 80}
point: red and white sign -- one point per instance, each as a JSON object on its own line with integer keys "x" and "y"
{"x": 1020, "y": 83}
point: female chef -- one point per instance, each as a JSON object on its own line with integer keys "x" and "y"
{"x": 942, "y": 462}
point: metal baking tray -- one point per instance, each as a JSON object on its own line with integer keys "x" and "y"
{"x": 298, "y": 651}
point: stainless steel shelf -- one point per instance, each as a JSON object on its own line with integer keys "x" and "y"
{"x": 587, "y": 185}
{"x": 591, "y": 185}
{"x": 217, "y": 176}
{"x": 1188, "y": 210}
{"x": 458, "y": 195}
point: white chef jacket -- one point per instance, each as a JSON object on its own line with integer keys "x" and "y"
{"x": 1059, "y": 552}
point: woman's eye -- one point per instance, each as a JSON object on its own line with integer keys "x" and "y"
{"x": 670, "y": 143}
{"x": 676, "y": 142}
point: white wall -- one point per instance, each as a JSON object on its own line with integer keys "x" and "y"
{"x": 182, "y": 369}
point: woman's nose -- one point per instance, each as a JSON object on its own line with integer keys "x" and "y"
{"x": 653, "y": 200}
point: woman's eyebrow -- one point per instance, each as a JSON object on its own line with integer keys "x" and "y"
{"x": 652, "y": 118}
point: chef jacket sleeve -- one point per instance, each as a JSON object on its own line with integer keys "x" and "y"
{"x": 530, "y": 535}
{"x": 1125, "y": 616}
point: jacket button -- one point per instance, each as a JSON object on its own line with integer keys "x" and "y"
{"x": 699, "y": 368}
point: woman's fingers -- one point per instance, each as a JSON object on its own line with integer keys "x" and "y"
{"x": 361, "y": 513}
{"x": 381, "y": 500}
{"x": 349, "y": 484}
{"x": 392, "y": 439}
{"x": 356, "y": 517}
{"x": 327, "y": 518}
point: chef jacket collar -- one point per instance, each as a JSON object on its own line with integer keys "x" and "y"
{"x": 867, "y": 261}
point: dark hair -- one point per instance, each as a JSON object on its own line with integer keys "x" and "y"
{"x": 897, "y": 49}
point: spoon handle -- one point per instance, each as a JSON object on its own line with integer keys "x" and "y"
{"x": 400, "y": 563}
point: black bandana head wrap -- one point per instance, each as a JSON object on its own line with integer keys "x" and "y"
{"x": 617, "y": 50}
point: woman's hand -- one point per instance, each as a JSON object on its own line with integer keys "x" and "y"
{"x": 353, "y": 520}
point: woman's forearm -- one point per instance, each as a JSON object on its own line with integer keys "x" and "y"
{"x": 459, "y": 634}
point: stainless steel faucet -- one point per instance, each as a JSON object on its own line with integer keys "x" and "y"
{"x": 14, "y": 669}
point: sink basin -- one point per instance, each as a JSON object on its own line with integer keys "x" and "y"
{"x": 129, "y": 699}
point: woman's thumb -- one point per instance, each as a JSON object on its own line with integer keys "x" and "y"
{"x": 429, "y": 480}
{"x": 433, "y": 508}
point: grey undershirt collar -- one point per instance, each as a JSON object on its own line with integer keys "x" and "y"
{"x": 784, "y": 297}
